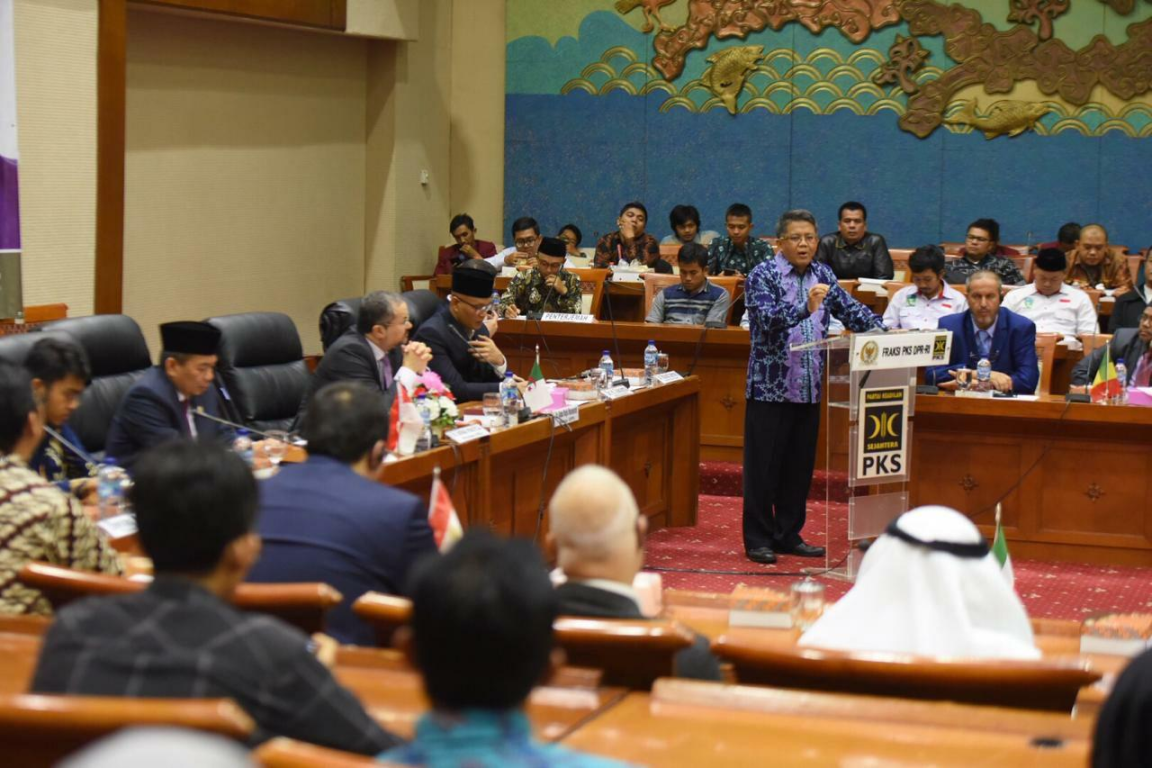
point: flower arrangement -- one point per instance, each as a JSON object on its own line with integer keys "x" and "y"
{"x": 440, "y": 400}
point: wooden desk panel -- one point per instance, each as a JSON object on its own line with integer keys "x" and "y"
{"x": 649, "y": 438}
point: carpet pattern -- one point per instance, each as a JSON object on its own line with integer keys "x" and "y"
{"x": 1048, "y": 590}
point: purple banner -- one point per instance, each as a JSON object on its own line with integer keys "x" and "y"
{"x": 9, "y": 206}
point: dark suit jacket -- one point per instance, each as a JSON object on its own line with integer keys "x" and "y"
{"x": 1013, "y": 349}
{"x": 1126, "y": 311}
{"x": 576, "y": 599}
{"x": 150, "y": 414}
{"x": 320, "y": 521}
{"x": 351, "y": 358}
{"x": 1126, "y": 345}
{"x": 452, "y": 360}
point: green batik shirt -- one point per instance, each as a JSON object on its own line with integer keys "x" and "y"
{"x": 724, "y": 255}
{"x": 527, "y": 291}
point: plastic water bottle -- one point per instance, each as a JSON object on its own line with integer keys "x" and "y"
{"x": 983, "y": 375}
{"x": 110, "y": 483}
{"x": 510, "y": 400}
{"x": 495, "y": 305}
{"x": 651, "y": 359}
{"x": 424, "y": 442}
{"x": 607, "y": 369}
{"x": 1121, "y": 376}
{"x": 243, "y": 445}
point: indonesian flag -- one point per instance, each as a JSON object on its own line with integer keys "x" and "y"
{"x": 1107, "y": 383}
{"x": 442, "y": 515}
{"x": 402, "y": 397}
{"x": 1000, "y": 550}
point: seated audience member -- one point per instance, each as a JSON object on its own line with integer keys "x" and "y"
{"x": 376, "y": 351}
{"x": 739, "y": 252}
{"x": 598, "y": 533}
{"x": 466, "y": 247}
{"x": 163, "y": 403}
{"x": 988, "y": 331}
{"x": 685, "y": 223}
{"x": 921, "y": 305}
{"x": 525, "y": 242}
{"x": 572, "y": 237}
{"x": 928, "y": 587}
{"x": 630, "y": 243}
{"x": 982, "y": 252}
{"x": 330, "y": 520}
{"x": 60, "y": 373}
{"x": 1123, "y": 739}
{"x": 696, "y": 301}
{"x": 854, "y": 252}
{"x": 1130, "y": 345}
{"x": 195, "y": 508}
{"x": 39, "y": 522}
{"x": 1065, "y": 238}
{"x": 1048, "y": 302}
{"x": 481, "y": 636}
{"x": 1093, "y": 264}
{"x": 463, "y": 353}
{"x": 1129, "y": 306}
{"x": 547, "y": 287}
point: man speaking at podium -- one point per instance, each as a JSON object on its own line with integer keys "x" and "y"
{"x": 790, "y": 301}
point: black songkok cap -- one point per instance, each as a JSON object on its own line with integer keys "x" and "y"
{"x": 187, "y": 337}
{"x": 553, "y": 246}
{"x": 473, "y": 282}
{"x": 1051, "y": 260}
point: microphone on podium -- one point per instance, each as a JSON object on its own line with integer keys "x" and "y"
{"x": 199, "y": 411}
{"x": 89, "y": 463}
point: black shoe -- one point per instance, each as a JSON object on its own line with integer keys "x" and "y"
{"x": 763, "y": 555}
{"x": 806, "y": 550}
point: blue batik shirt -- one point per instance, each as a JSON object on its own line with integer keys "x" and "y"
{"x": 478, "y": 738}
{"x": 776, "y": 295}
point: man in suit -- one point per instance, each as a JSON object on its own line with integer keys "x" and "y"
{"x": 987, "y": 330}
{"x": 1129, "y": 306}
{"x": 463, "y": 352}
{"x": 163, "y": 405}
{"x": 376, "y": 351}
{"x": 598, "y": 533}
{"x": 330, "y": 520}
{"x": 1132, "y": 345}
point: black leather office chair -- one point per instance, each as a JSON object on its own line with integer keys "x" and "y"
{"x": 261, "y": 363}
{"x": 118, "y": 355}
{"x": 336, "y": 318}
{"x": 14, "y": 348}
{"x": 421, "y": 306}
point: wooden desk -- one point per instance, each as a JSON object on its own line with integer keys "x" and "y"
{"x": 648, "y": 438}
{"x": 1088, "y": 497}
{"x": 721, "y": 364}
{"x": 648, "y": 731}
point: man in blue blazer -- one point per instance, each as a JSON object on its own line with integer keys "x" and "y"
{"x": 330, "y": 520}
{"x": 164, "y": 404}
{"x": 987, "y": 330}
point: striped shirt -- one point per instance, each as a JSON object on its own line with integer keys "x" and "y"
{"x": 709, "y": 305}
{"x": 38, "y": 522}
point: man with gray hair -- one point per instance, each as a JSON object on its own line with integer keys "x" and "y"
{"x": 791, "y": 300}
{"x": 376, "y": 351}
{"x": 598, "y": 534}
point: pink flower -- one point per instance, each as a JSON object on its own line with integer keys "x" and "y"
{"x": 433, "y": 381}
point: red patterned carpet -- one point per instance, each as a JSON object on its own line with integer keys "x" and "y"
{"x": 1049, "y": 590}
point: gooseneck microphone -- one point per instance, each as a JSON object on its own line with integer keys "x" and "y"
{"x": 199, "y": 411}
{"x": 89, "y": 463}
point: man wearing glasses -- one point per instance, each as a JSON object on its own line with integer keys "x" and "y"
{"x": 463, "y": 353}
{"x": 982, "y": 252}
{"x": 790, "y": 301}
{"x": 547, "y": 287}
{"x": 376, "y": 352}
{"x": 525, "y": 243}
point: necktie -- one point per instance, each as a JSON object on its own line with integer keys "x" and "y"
{"x": 184, "y": 407}
{"x": 386, "y": 372}
{"x": 1143, "y": 375}
{"x": 984, "y": 343}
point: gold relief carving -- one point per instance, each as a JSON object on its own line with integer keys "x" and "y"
{"x": 968, "y": 483}
{"x": 651, "y": 9}
{"x": 905, "y": 56}
{"x": 730, "y": 68}
{"x": 1044, "y": 11}
{"x": 1003, "y": 117}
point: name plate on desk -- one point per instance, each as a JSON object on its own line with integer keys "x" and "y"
{"x": 118, "y": 527}
{"x": 569, "y": 414}
{"x": 915, "y": 349}
{"x": 617, "y": 392}
{"x": 466, "y": 434}
{"x": 627, "y": 276}
{"x": 669, "y": 377}
{"x": 565, "y": 317}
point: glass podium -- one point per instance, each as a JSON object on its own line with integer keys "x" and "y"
{"x": 864, "y": 454}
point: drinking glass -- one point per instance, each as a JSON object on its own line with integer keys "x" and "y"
{"x": 492, "y": 406}
{"x": 807, "y": 603}
{"x": 662, "y": 362}
{"x": 274, "y": 446}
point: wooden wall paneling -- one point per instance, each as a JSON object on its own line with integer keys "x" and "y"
{"x": 111, "y": 98}
{"x": 323, "y": 14}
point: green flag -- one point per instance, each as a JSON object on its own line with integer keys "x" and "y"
{"x": 537, "y": 374}
{"x": 1000, "y": 549}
